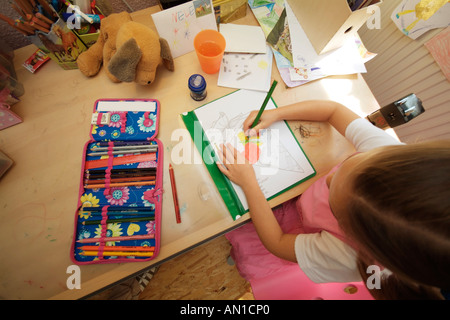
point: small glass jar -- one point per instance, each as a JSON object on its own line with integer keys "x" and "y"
{"x": 197, "y": 85}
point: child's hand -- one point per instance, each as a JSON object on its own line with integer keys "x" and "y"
{"x": 236, "y": 167}
{"x": 267, "y": 118}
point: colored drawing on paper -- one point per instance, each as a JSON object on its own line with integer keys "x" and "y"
{"x": 415, "y": 17}
{"x": 271, "y": 16}
{"x": 180, "y": 24}
{"x": 277, "y": 158}
{"x": 228, "y": 129}
{"x": 202, "y": 7}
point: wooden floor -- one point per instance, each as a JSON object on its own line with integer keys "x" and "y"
{"x": 200, "y": 274}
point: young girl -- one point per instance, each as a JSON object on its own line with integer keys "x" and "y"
{"x": 387, "y": 205}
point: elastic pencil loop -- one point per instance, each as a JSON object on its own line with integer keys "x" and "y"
{"x": 104, "y": 218}
{"x": 123, "y": 121}
{"x": 99, "y": 120}
{"x": 104, "y": 231}
{"x": 104, "y": 213}
{"x": 152, "y": 195}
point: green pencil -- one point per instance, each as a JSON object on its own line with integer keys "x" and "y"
{"x": 261, "y": 110}
{"x": 87, "y": 222}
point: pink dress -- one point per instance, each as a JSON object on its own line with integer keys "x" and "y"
{"x": 308, "y": 213}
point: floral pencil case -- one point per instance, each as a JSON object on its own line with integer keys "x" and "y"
{"x": 118, "y": 218}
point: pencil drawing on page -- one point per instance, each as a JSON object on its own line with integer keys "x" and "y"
{"x": 277, "y": 157}
{"x": 252, "y": 147}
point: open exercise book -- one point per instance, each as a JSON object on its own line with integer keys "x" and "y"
{"x": 276, "y": 155}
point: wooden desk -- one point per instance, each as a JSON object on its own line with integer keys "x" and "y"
{"x": 38, "y": 195}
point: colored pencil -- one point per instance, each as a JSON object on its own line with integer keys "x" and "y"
{"x": 117, "y": 253}
{"x": 266, "y": 100}
{"x": 136, "y": 176}
{"x": 43, "y": 18}
{"x": 38, "y": 27}
{"x": 21, "y": 27}
{"x": 124, "y": 143}
{"x": 174, "y": 194}
{"x": 25, "y": 6}
{"x": 120, "y": 209}
{"x": 119, "y": 152}
{"x": 105, "y": 153}
{"x": 19, "y": 10}
{"x": 115, "y": 176}
{"x": 135, "y": 219}
{"x": 139, "y": 146}
{"x": 48, "y": 9}
{"x": 117, "y": 248}
{"x": 119, "y": 213}
{"x": 120, "y": 238}
{"x": 121, "y": 171}
{"x": 92, "y": 164}
{"x": 120, "y": 184}
{"x": 41, "y": 23}
{"x": 122, "y": 179}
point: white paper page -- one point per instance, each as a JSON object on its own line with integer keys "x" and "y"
{"x": 243, "y": 39}
{"x": 281, "y": 162}
{"x": 124, "y": 105}
{"x": 344, "y": 60}
{"x": 246, "y": 70}
{"x": 179, "y": 25}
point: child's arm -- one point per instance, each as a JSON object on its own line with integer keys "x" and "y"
{"x": 238, "y": 170}
{"x": 335, "y": 113}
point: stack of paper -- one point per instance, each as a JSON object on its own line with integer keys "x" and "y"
{"x": 295, "y": 56}
{"x": 344, "y": 60}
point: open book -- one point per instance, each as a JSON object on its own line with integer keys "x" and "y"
{"x": 276, "y": 155}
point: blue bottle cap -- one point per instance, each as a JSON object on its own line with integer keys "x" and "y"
{"x": 197, "y": 83}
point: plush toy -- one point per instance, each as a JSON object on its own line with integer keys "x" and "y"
{"x": 130, "y": 51}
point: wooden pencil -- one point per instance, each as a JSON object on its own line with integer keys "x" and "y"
{"x": 117, "y": 253}
{"x": 136, "y": 219}
{"x": 117, "y": 248}
{"x": 120, "y": 184}
{"x": 119, "y": 238}
{"x": 92, "y": 164}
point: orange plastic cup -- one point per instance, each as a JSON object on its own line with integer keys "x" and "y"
{"x": 209, "y": 46}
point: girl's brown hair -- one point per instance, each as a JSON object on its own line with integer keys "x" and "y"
{"x": 399, "y": 214}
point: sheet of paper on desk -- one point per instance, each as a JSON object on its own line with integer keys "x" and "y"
{"x": 246, "y": 70}
{"x": 180, "y": 24}
{"x": 243, "y": 39}
{"x": 311, "y": 66}
{"x": 277, "y": 158}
